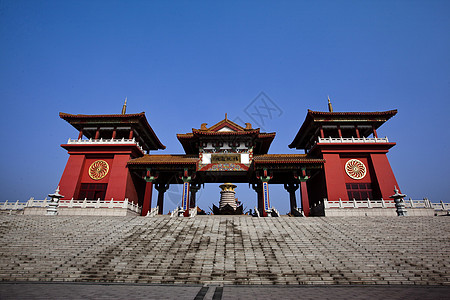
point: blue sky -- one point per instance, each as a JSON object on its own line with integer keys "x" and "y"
{"x": 189, "y": 62}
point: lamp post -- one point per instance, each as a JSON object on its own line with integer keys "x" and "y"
{"x": 54, "y": 203}
{"x": 399, "y": 203}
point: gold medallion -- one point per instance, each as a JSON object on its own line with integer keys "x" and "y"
{"x": 355, "y": 169}
{"x": 98, "y": 169}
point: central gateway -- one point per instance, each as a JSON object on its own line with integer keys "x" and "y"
{"x": 226, "y": 152}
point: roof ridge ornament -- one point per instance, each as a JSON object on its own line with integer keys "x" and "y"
{"x": 330, "y": 107}
{"x": 124, "y": 107}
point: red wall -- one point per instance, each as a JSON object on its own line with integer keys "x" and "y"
{"x": 120, "y": 182}
{"x": 384, "y": 174}
{"x": 334, "y": 177}
{"x": 365, "y": 161}
{"x": 71, "y": 177}
{"x": 85, "y": 178}
{"x": 379, "y": 172}
{"x": 118, "y": 177}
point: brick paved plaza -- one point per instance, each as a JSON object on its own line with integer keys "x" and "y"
{"x": 48, "y": 291}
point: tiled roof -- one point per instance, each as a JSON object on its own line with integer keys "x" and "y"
{"x": 285, "y": 158}
{"x": 67, "y": 116}
{"x": 200, "y": 132}
{"x": 315, "y": 118}
{"x": 224, "y": 123}
{"x": 139, "y": 120}
{"x": 165, "y": 159}
{"x": 388, "y": 113}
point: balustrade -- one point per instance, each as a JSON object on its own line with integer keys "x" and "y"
{"x": 368, "y": 203}
{"x": 72, "y": 203}
{"x": 352, "y": 140}
{"x": 106, "y": 141}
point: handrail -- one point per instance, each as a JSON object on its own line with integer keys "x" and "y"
{"x": 193, "y": 212}
{"x": 105, "y": 141}
{"x": 153, "y": 212}
{"x": 72, "y": 203}
{"x": 352, "y": 140}
{"x": 176, "y": 212}
{"x": 257, "y": 212}
{"x": 369, "y": 203}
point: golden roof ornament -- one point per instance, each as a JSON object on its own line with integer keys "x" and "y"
{"x": 124, "y": 107}
{"x": 330, "y": 107}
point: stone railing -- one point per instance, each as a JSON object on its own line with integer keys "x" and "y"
{"x": 193, "y": 212}
{"x": 13, "y": 205}
{"x": 256, "y": 214}
{"x": 425, "y": 203}
{"x": 273, "y": 212}
{"x": 73, "y": 204}
{"x": 353, "y": 140}
{"x": 153, "y": 212}
{"x": 99, "y": 204}
{"x": 105, "y": 141}
{"x": 297, "y": 212}
{"x": 177, "y": 212}
{"x": 441, "y": 206}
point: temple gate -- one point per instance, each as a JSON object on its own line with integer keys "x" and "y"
{"x": 111, "y": 160}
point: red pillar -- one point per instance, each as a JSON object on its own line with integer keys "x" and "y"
{"x": 80, "y": 135}
{"x": 147, "y": 198}
{"x": 131, "y": 134}
{"x": 265, "y": 197}
{"x": 185, "y": 199}
{"x": 305, "y": 199}
{"x": 375, "y": 135}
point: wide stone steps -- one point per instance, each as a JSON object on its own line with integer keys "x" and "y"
{"x": 226, "y": 249}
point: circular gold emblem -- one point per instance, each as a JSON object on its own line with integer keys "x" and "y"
{"x": 355, "y": 169}
{"x": 98, "y": 169}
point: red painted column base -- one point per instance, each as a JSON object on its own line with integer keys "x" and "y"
{"x": 147, "y": 198}
{"x": 305, "y": 199}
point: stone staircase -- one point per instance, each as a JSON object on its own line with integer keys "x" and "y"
{"x": 226, "y": 250}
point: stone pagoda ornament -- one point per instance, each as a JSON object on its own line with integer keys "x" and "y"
{"x": 54, "y": 202}
{"x": 228, "y": 204}
{"x": 399, "y": 203}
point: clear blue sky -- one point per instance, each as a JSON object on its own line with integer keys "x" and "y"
{"x": 189, "y": 62}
